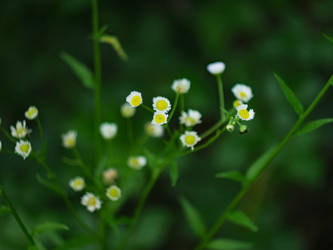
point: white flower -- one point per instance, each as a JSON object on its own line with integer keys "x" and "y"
{"x": 127, "y": 110}
{"x": 216, "y": 68}
{"x": 137, "y": 162}
{"x": 109, "y": 175}
{"x": 20, "y": 131}
{"x": 31, "y": 113}
{"x": 23, "y": 148}
{"x": 91, "y": 201}
{"x": 134, "y": 99}
{"x": 161, "y": 104}
{"x": 108, "y": 130}
{"x": 190, "y": 139}
{"x": 113, "y": 193}
{"x": 191, "y": 118}
{"x": 159, "y": 118}
{"x": 242, "y": 92}
{"x": 69, "y": 139}
{"x": 181, "y": 86}
{"x": 237, "y": 103}
{"x": 245, "y": 114}
{"x": 154, "y": 130}
{"x": 77, "y": 183}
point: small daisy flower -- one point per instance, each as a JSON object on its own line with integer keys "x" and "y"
{"x": 161, "y": 104}
{"x": 216, "y": 68}
{"x": 113, "y": 193}
{"x": 109, "y": 175}
{"x": 23, "y": 148}
{"x": 108, "y": 130}
{"x": 190, "y": 139}
{"x": 242, "y": 92}
{"x": 181, "y": 86}
{"x": 69, "y": 139}
{"x": 137, "y": 162}
{"x": 91, "y": 201}
{"x": 154, "y": 130}
{"x": 127, "y": 111}
{"x": 191, "y": 118}
{"x": 159, "y": 118}
{"x": 31, "y": 113}
{"x": 20, "y": 130}
{"x": 77, "y": 183}
{"x": 134, "y": 99}
{"x": 245, "y": 114}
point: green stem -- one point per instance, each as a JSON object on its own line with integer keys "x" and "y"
{"x": 85, "y": 168}
{"x": 174, "y": 107}
{"x": 221, "y": 95}
{"x": 181, "y": 109}
{"x": 147, "y": 108}
{"x": 4, "y": 131}
{"x": 211, "y": 130}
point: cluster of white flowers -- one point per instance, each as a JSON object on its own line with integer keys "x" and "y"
{"x": 243, "y": 93}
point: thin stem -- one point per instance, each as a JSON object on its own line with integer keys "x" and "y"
{"x": 147, "y": 108}
{"x": 4, "y": 131}
{"x": 130, "y": 130}
{"x": 40, "y": 129}
{"x": 181, "y": 109}
{"x": 174, "y": 107}
{"x": 85, "y": 168}
{"x": 211, "y": 130}
{"x": 221, "y": 95}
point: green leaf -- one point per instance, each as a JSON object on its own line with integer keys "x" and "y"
{"x": 313, "y": 125}
{"x": 241, "y": 219}
{"x": 4, "y": 210}
{"x": 49, "y": 185}
{"x": 174, "y": 173}
{"x": 80, "y": 70}
{"x": 114, "y": 42}
{"x": 328, "y": 37}
{"x": 193, "y": 218}
{"x": 227, "y": 244}
{"x": 77, "y": 242}
{"x": 48, "y": 226}
{"x": 232, "y": 175}
{"x": 291, "y": 97}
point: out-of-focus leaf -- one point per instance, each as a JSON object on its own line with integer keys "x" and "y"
{"x": 4, "y": 210}
{"x": 232, "y": 175}
{"x": 290, "y": 95}
{"x": 313, "y": 125}
{"x": 114, "y": 42}
{"x": 241, "y": 219}
{"x": 80, "y": 70}
{"x": 328, "y": 37}
{"x": 227, "y": 244}
{"x": 49, "y": 185}
{"x": 193, "y": 218}
{"x": 48, "y": 226}
{"x": 174, "y": 173}
{"x": 77, "y": 242}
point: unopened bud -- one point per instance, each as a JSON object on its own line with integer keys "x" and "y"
{"x": 110, "y": 175}
{"x": 242, "y": 129}
{"x": 230, "y": 127}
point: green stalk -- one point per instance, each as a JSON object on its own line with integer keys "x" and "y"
{"x": 174, "y": 107}
{"x": 147, "y": 108}
{"x": 221, "y": 95}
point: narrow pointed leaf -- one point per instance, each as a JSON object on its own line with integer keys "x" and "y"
{"x": 232, "y": 175}
{"x": 329, "y": 38}
{"x": 241, "y": 219}
{"x": 114, "y": 42}
{"x": 49, "y": 226}
{"x": 227, "y": 244}
{"x": 49, "y": 185}
{"x": 313, "y": 125}
{"x": 174, "y": 173}
{"x": 291, "y": 97}
{"x": 193, "y": 218}
{"x": 79, "y": 69}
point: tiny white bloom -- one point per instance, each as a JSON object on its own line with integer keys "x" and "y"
{"x": 23, "y": 148}
{"x": 108, "y": 130}
{"x": 69, "y": 139}
{"x": 181, "y": 86}
{"x": 31, "y": 113}
{"x": 190, "y": 139}
{"x": 242, "y": 92}
{"x": 77, "y": 183}
{"x": 237, "y": 103}
{"x": 109, "y": 175}
{"x": 91, "y": 201}
{"x": 134, "y": 99}
{"x": 137, "y": 162}
{"x": 161, "y": 104}
{"x": 113, "y": 193}
{"x": 245, "y": 114}
{"x": 159, "y": 118}
{"x": 20, "y": 130}
{"x": 216, "y": 68}
{"x": 191, "y": 118}
{"x": 127, "y": 110}
{"x": 154, "y": 130}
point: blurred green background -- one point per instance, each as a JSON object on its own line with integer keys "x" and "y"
{"x": 292, "y": 202}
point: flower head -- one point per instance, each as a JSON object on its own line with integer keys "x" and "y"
{"x": 160, "y": 118}
{"x": 69, "y": 139}
{"x": 181, "y": 86}
{"x": 113, "y": 193}
{"x": 77, "y": 183}
{"x": 20, "y": 130}
{"x": 91, "y": 201}
{"x": 245, "y": 114}
{"x": 108, "y": 130}
{"x": 134, "y": 99}
{"x": 237, "y": 103}
{"x": 161, "y": 104}
{"x": 31, "y": 113}
{"x": 23, "y": 148}
{"x": 242, "y": 92}
{"x": 191, "y": 118}
{"x": 127, "y": 110}
{"x": 137, "y": 162}
{"x": 190, "y": 139}
{"x": 154, "y": 130}
{"x": 110, "y": 175}
{"x": 216, "y": 68}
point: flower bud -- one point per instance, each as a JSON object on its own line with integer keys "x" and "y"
{"x": 242, "y": 129}
{"x": 110, "y": 175}
{"x": 230, "y": 127}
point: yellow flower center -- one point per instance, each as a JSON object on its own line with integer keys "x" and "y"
{"x": 161, "y": 105}
{"x": 190, "y": 139}
{"x": 25, "y": 148}
{"x": 237, "y": 103}
{"x": 242, "y": 94}
{"x": 31, "y": 112}
{"x": 190, "y": 120}
{"x": 159, "y": 118}
{"x": 134, "y": 162}
{"x": 20, "y": 130}
{"x": 136, "y": 100}
{"x": 92, "y": 201}
{"x": 78, "y": 183}
{"x": 244, "y": 114}
{"x": 113, "y": 192}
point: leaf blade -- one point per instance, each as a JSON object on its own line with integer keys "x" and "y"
{"x": 174, "y": 173}
{"x": 328, "y": 37}
{"x": 49, "y": 226}
{"x": 241, "y": 219}
{"x": 232, "y": 175}
{"x": 115, "y": 44}
{"x": 313, "y": 125}
{"x": 228, "y": 244}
